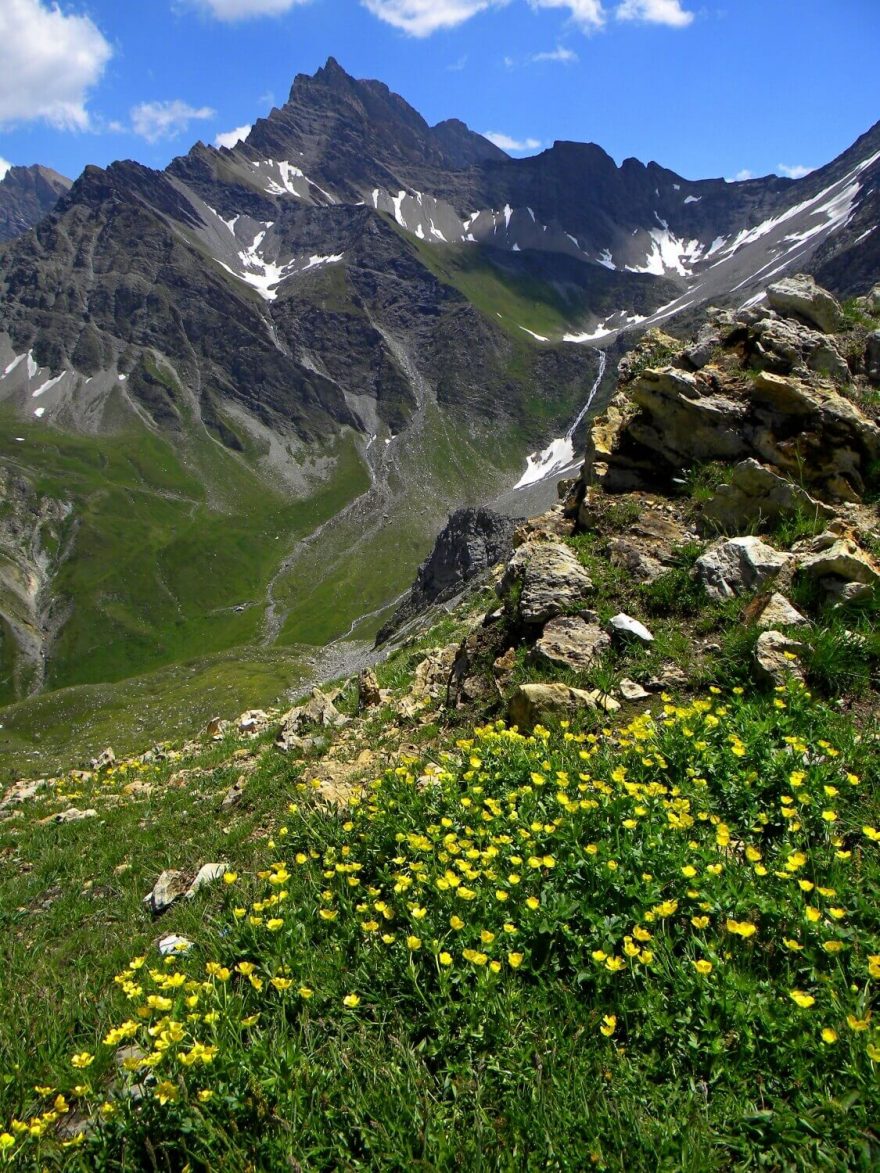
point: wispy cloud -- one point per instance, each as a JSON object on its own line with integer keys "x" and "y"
{"x": 507, "y": 143}
{"x": 457, "y": 66}
{"x": 156, "y": 121}
{"x": 668, "y": 12}
{"x": 742, "y": 176}
{"x": 49, "y": 61}
{"x": 796, "y": 172}
{"x": 230, "y": 137}
{"x": 587, "y": 14}
{"x": 559, "y": 54}
{"x": 232, "y": 11}
{"x": 4, "y": 167}
{"x": 420, "y": 18}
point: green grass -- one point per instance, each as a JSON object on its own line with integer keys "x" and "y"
{"x": 667, "y": 887}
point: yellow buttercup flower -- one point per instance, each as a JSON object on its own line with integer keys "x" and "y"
{"x": 533, "y": 903}
{"x": 83, "y": 1059}
{"x": 858, "y": 1024}
{"x": 702, "y": 967}
{"x": 829, "y": 1036}
{"x": 740, "y": 928}
{"x": 351, "y": 1000}
{"x": 699, "y": 922}
{"x": 514, "y": 960}
{"x": 455, "y": 922}
{"x": 445, "y": 958}
{"x": 805, "y": 1001}
{"x": 609, "y": 1025}
{"x": 413, "y": 943}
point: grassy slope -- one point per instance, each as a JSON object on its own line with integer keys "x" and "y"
{"x": 527, "y": 1049}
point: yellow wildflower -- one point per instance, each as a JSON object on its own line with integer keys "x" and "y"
{"x": 805, "y": 1001}
{"x": 609, "y": 1025}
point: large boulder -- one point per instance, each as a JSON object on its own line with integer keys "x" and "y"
{"x": 542, "y": 580}
{"x": 784, "y": 345}
{"x": 571, "y": 642}
{"x": 799, "y": 296}
{"x": 779, "y": 612}
{"x": 739, "y": 565}
{"x": 755, "y": 494}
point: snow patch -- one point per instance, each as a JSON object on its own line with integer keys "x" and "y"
{"x": 692, "y": 199}
{"x": 539, "y": 337}
{"x": 559, "y": 454}
{"x": 32, "y": 366}
{"x": 39, "y": 412}
{"x": 47, "y": 386}
{"x": 15, "y": 362}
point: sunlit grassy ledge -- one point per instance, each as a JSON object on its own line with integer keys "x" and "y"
{"x": 650, "y": 945}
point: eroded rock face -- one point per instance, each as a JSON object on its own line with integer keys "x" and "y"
{"x": 738, "y": 565}
{"x": 801, "y": 297}
{"x": 549, "y": 579}
{"x": 842, "y": 559}
{"x": 571, "y": 642}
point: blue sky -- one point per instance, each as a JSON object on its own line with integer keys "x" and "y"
{"x": 707, "y": 88}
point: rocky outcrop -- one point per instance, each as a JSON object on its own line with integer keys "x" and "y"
{"x": 26, "y": 195}
{"x": 572, "y": 642}
{"x": 800, "y": 296}
{"x": 772, "y": 396}
{"x": 738, "y": 565}
{"x": 471, "y": 543}
{"x": 539, "y": 704}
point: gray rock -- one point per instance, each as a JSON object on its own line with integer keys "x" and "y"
{"x": 319, "y": 711}
{"x": 534, "y": 704}
{"x": 170, "y": 886}
{"x": 783, "y": 345}
{"x": 234, "y": 794}
{"x": 369, "y": 693}
{"x": 842, "y": 559}
{"x": 104, "y": 759}
{"x": 625, "y": 627}
{"x": 631, "y": 691}
{"x": 872, "y": 357}
{"x": 174, "y": 944}
{"x": 776, "y": 657}
{"x": 780, "y": 613}
{"x": 551, "y": 578}
{"x": 847, "y": 594}
{"x": 207, "y": 874}
{"x": 801, "y": 297}
{"x": 708, "y": 341}
{"x": 739, "y": 565}
{"x": 71, "y": 815}
{"x": 570, "y": 642}
{"x": 253, "y": 721}
{"x": 757, "y": 494}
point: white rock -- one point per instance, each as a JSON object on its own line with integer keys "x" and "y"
{"x": 208, "y": 874}
{"x": 735, "y": 566}
{"x": 625, "y": 626}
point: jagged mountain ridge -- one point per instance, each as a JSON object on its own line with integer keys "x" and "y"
{"x": 26, "y": 195}
{"x": 349, "y": 273}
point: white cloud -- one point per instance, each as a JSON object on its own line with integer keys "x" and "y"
{"x": 165, "y": 120}
{"x": 796, "y": 172}
{"x": 234, "y": 10}
{"x": 506, "y": 143}
{"x": 589, "y": 14}
{"x": 49, "y": 60}
{"x": 741, "y": 176}
{"x": 420, "y": 18}
{"x": 560, "y": 53}
{"x": 230, "y": 137}
{"x": 4, "y": 167}
{"x": 668, "y": 12}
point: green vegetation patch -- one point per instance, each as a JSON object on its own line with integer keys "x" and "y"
{"x": 522, "y": 952}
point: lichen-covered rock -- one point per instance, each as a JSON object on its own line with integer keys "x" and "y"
{"x": 571, "y": 642}
{"x": 542, "y": 580}
{"x": 801, "y": 297}
{"x": 842, "y": 559}
{"x": 537, "y": 704}
{"x": 776, "y": 657}
{"x": 737, "y": 565}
